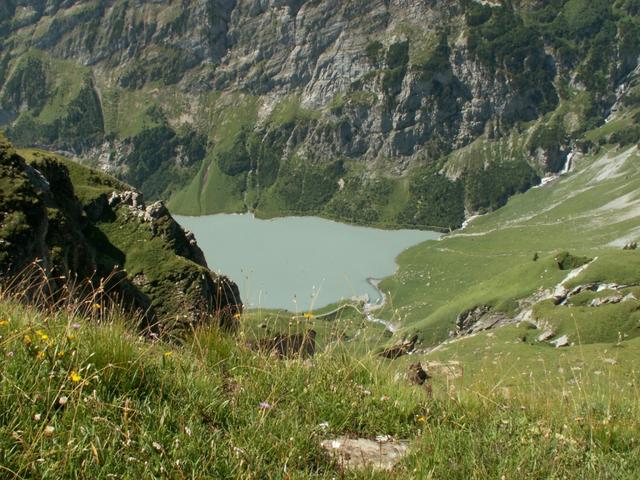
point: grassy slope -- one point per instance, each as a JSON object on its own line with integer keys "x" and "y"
{"x": 592, "y": 212}
{"x": 88, "y": 184}
{"x": 81, "y": 400}
{"x": 211, "y": 191}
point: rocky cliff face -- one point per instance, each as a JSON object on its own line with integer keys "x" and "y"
{"x": 76, "y": 223}
{"x": 359, "y": 98}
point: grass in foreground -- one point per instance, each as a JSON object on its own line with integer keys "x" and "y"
{"x": 88, "y": 398}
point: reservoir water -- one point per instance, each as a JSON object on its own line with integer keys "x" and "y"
{"x": 299, "y": 263}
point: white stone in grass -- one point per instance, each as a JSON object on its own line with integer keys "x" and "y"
{"x": 562, "y": 341}
{"x": 362, "y": 453}
{"x": 546, "y": 335}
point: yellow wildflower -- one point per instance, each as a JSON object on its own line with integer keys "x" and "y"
{"x": 71, "y": 337}
{"x": 61, "y": 354}
{"x": 40, "y": 355}
{"x": 4, "y": 323}
{"x": 97, "y": 306}
{"x": 43, "y": 336}
{"x": 168, "y": 354}
{"x": 237, "y": 316}
{"x": 74, "y": 377}
{"x": 27, "y": 340}
{"x": 308, "y": 315}
{"x": 420, "y": 419}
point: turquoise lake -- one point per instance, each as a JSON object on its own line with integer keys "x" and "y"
{"x": 299, "y": 263}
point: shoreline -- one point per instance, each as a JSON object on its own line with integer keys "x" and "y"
{"x": 370, "y": 307}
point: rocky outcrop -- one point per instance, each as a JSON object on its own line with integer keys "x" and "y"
{"x": 96, "y": 239}
{"x": 478, "y": 319}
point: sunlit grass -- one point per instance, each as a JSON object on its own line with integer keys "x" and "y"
{"x": 82, "y": 395}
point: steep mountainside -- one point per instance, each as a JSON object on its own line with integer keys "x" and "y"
{"x": 385, "y": 112}
{"x": 82, "y": 225}
{"x": 558, "y": 261}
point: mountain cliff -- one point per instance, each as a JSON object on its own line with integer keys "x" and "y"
{"x": 81, "y": 228}
{"x": 384, "y": 112}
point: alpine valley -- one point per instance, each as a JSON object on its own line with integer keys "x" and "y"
{"x": 507, "y": 347}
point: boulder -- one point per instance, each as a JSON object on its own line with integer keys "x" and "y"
{"x": 155, "y": 211}
{"x": 546, "y": 335}
{"x": 363, "y": 454}
{"x": 560, "y": 294}
{"x": 562, "y": 341}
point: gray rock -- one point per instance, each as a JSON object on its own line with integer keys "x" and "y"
{"x": 155, "y": 211}
{"x": 562, "y": 341}
{"x": 560, "y": 294}
{"x": 478, "y": 319}
{"x": 546, "y": 335}
{"x": 598, "y": 302}
{"x": 363, "y": 454}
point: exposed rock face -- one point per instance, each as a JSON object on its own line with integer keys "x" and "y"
{"x": 380, "y": 86}
{"x": 95, "y": 238}
{"x": 478, "y": 319}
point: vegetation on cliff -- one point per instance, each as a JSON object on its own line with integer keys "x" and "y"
{"x": 80, "y": 225}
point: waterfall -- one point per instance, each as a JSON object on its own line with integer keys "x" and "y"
{"x": 568, "y": 163}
